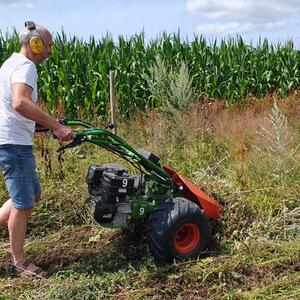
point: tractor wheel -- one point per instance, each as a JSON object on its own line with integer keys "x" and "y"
{"x": 178, "y": 230}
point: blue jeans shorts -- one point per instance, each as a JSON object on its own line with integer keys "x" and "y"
{"x": 19, "y": 171}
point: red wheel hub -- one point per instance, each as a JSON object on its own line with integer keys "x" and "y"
{"x": 186, "y": 238}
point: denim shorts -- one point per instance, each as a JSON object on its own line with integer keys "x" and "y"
{"x": 19, "y": 171}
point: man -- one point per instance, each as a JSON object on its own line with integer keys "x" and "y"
{"x": 18, "y": 116}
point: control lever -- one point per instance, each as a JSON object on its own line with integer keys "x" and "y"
{"x": 70, "y": 145}
{"x": 73, "y": 144}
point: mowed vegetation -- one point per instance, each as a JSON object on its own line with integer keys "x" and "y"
{"x": 243, "y": 150}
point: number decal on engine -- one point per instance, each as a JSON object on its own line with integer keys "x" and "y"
{"x": 125, "y": 182}
{"x": 142, "y": 211}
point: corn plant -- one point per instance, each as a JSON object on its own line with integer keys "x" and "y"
{"x": 76, "y": 75}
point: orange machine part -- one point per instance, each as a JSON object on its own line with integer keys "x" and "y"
{"x": 212, "y": 208}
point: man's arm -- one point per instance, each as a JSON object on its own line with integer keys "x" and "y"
{"x": 23, "y": 104}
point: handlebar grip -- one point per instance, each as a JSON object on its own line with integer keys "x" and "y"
{"x": 42, "y": 130}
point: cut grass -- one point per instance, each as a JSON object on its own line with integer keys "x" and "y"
{"x": 93, "y": 263}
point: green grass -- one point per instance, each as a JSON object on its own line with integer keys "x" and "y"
{"x": 257, "y": 255}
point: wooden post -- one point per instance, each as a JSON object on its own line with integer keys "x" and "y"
{"x": 112, "y": 93}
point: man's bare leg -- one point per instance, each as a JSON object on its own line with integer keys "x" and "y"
{"x": 17, "y": 225}
{"x": 5, "y": 211}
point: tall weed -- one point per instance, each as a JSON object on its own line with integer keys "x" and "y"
{"x": 172, "y": 88}
{"x": 279, "y": 149}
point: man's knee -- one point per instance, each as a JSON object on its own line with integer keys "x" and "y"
{"x": 22, "y": 211}
{"x": 27, "y": 212}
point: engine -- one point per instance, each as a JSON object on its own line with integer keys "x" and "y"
{"x": 112, "y": 187}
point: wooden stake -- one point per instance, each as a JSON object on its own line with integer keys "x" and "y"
{"x": 112, "y": 93}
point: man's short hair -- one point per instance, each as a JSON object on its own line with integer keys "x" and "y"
{"x": 25, "y": 35}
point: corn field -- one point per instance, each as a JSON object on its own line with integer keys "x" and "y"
{"x": 76, "y": 75}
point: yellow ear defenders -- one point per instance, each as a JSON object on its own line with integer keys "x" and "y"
{"x": 36, "y": 43}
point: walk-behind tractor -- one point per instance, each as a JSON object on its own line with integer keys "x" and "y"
{"x": 176, "y": 213}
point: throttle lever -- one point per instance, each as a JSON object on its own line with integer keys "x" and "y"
{"x": 74, "y": 143}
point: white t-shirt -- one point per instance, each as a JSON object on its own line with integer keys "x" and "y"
{"x": 14, "y": 128}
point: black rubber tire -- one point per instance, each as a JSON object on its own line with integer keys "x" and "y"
{"x": 163, "y": 224}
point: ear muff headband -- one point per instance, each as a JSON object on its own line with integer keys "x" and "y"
{"x": 36, "y": 43}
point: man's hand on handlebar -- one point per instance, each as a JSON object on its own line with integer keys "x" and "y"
{"x": 64, "y": 133}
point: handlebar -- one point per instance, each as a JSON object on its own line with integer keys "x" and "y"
{"x": 78, "y": 140}
{"x": 113, "y": 143}
{"x": 62, "y": 121}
